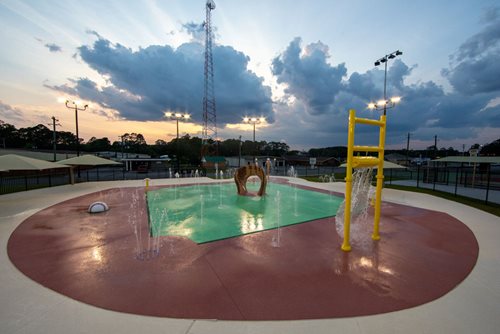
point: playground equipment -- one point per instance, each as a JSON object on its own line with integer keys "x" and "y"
{"x": 363, "y": 162}
{"x": 243, "y": 173}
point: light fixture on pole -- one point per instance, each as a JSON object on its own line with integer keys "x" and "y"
{"x": 74, "y": 105}
{"x": 177, "y": 116}
{"x": 384, "y": 104}
{"x": 384, "y": 60}
{"x": 254, "y": 121}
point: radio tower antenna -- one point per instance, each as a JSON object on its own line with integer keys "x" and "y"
{"x": 209, "y": 110}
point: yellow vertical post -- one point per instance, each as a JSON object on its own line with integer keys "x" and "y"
{"x": 346, "y": 247}
{"x": 147, "y": 184}
{"x": 380, "y": 179}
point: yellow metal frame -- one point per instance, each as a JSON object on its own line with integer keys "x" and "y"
{"x": 358, "y": 162}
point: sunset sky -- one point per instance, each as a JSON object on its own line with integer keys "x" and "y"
{"x": 302, "y": 64}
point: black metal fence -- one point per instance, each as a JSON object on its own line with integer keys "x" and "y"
{"x": 10, "y": 184}
{"x": 480, "y": 182}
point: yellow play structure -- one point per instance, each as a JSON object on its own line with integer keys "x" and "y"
{"x": 359, "y": 162}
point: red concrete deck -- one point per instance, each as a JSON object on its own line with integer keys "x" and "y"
{"x": 422, "y": 255}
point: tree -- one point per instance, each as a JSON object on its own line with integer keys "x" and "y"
{"x": 229, "y": 147}
{"x": 492, "y": 148}
{"x": 96, "y": 145}
{"x": 247, "y": 147}
{"x": 66, "y": 140}
{"x": 335, "y": 151}
{"x": 188, "y": 149}
{"x": 38, "y": 136}
{"x": 160, "y": 142}
{"x": 9, "y": 136}
{"x": 135, "y": 143}
{"x": 275, "y": 148}
{"x": 475, "y": 147}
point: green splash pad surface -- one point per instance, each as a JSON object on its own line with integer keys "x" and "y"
{"x": 205, "y": 213}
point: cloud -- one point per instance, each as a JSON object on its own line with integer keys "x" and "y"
{"x": 145, "y": 83}
{"x": 196, "y": 31}
{"x": 308, "y": 76}
{"x": 141, "y": 84}
{"x": 475, "y": 67}
{"x": 53, "y": 47}
{"x": 10, "y": 113}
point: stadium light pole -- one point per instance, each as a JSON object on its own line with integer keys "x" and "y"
{"x": 254, "y": 121}
{"x": 177, "y": 117}
{"x": 384, "y": 60}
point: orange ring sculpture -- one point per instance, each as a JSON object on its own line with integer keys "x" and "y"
{"x": 243, "y": 173}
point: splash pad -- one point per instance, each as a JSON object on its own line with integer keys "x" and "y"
{"x": 206, "y": 213}
{"x": 92, "y": 258}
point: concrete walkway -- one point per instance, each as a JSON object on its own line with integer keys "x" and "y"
{"x": 27, "y": 307}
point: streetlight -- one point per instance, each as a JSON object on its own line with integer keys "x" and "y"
{"x": 177, "y": 117}
{"x": 384, "y": 60}
{"x": 74, "y": 105}
{"x": 254, "y": 121}
{"x": 384, "y": 104}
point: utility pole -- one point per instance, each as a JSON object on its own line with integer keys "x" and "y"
{"x": 435, "y": 146}
{"x": 121, "y": 137}
{"x": 3, "y": 138}
{"x": 54, "y": 124}
{"x": 408, "y": 150}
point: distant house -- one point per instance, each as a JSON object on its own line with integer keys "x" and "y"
{"x": 209, "y": 162}
{"x": 235, "y": 162}
{"x": 305, "y": 161}
{"x": 396, "y": 158}
{"x": 121, "y": 155}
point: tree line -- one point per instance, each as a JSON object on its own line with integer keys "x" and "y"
{"x": 188, "y": 148}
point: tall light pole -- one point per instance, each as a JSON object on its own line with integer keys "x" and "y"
{"x": 75, "y": 106}
{"x": 54, "y": 124}
{"x": 239, "y": 152}
{"x": 384, "y": 60}
{"x": 254, "y": 121}
{"x": 177, "y": 117}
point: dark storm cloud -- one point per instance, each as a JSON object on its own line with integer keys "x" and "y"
{"x": 477, "y": 75}
{"x": 475, "y": 67}
{"x": 308, "y": 76}
{"x": 53, "y": 47}
{"x": 426, "y": 109}
{"x": 145, "y": 83}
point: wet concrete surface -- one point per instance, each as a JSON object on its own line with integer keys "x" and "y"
{"x": 422, "y": 255}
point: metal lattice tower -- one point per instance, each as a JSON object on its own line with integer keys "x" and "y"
{"x": 209, "y": 111}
